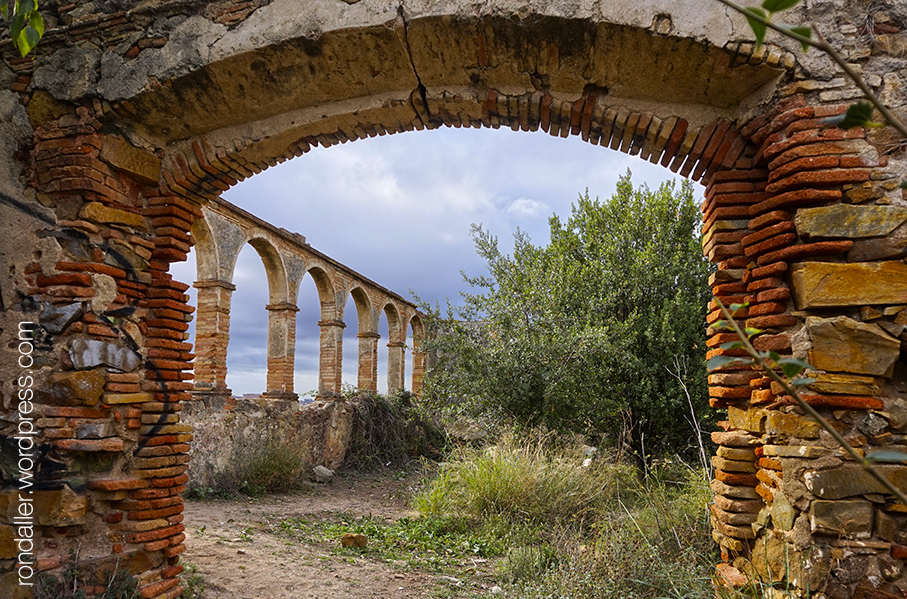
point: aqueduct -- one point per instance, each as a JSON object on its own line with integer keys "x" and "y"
{"x": 219, "y": 234}
{"x": 135, "y": 116}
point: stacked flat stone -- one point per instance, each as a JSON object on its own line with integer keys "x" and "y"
{"x": 823, "y": 237}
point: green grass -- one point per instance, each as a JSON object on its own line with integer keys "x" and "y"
{"x": 526, "y": 514}
{"x": 579, "y": 532}
{"x": 535, "y": 482}
{"x": 438, "y": 545}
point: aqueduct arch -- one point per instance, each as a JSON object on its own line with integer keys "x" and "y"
{"x": 127, "y": 124}
{"x": 224, "y": 229}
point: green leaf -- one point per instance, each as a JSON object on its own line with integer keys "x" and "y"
{"x": 858, "y": 115}
{"x": 15, "y": 26}
{"x": 903, "y": 185}
{"x": 732, "y": 345}
{"x": 719, "y": 361}
{"x": 803, "y": 381}
{"x": 752, "y": 332}
{"x": 778, "y": 5}
{"x": 723, "y": 325}
{"x": 757, "y": 26}
{"x": 4, "y": 8}
{"x": 28, "y": 40}
{"x": 734, "y": 308}
{"x": 804, "y": 31}
{"x": 791, "y": 367}
{"x": 37, "y": 23}
{"x": 27, "y": 6}
{"x": 887, "y": 456}
{"x": 773, "y": 356}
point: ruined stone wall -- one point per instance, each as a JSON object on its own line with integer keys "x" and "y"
{"x": 813, "y": 236}
{"x": 133, "y": 116}
{"x": 226, "y": 431}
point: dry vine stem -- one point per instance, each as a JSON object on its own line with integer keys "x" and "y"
{"x": 770, "y": 371}
{"x": 822, "y": 45}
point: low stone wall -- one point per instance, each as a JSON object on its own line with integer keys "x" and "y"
{"x": 227, "y": 428}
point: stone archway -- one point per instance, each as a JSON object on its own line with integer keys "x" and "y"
{"x": 129, "y": 123}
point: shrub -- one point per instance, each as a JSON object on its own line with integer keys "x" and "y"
{"x": 534, "y": 482}
{"x": 274, "y": 465}
{"x": 577, "y": 532}
{"x": 585, "y": 333}
{"x": 389, "y": 430}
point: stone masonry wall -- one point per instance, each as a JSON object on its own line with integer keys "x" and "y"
{"x": 228, "y": 430}
{"x": 811, "y": 236}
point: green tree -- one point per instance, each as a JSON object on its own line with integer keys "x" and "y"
{"x": 583, "y": 334}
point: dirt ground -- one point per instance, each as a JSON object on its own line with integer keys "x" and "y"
{"x": 232, "y": 545}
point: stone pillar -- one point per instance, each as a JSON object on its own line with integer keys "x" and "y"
{"x": 281, "y": 350}
{"x": 418, "y": 366}
{"x": 330, "y": 358}
{"x": 396, "y": 366}
{"x": 368, "y": 362}
{"x": 212, "y": 335}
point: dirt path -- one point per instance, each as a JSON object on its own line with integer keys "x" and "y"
{"x": 233, "y": 544}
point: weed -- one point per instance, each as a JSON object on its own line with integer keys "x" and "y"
{"x": 114, "y": 584}
{"x": 436, "y": 544}
{"x": 246, "y": 535}
{"x": 193, "y": 582}
{"x": 274, "y": 465}
{"x": 595, "y": 532}
{"x": 533, "y": 483}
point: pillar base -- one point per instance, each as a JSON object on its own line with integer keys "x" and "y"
{"x": 280, "y": 395}
{"x": 214, "y": 397}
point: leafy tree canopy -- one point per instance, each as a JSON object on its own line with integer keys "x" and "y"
{"x": 583, "y": 334}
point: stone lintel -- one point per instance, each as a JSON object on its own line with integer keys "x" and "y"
{"x": 369, "y": 335}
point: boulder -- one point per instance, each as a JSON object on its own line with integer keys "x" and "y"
{"x": 322, "y": 474}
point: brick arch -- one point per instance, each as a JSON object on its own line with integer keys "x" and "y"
{"x": 425, "y": 70}
{"x": 365, "y": 311}
{"x": 692, "y": 149}
{"x": 417, "y": 326}
{"x": 278, "y": 291}
{"x": 324, "y": 283}
{"x": 175, "y": 120}
{"x": 394, "y": 318}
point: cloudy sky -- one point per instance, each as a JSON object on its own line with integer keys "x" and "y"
{"x": 398, "y": 210}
